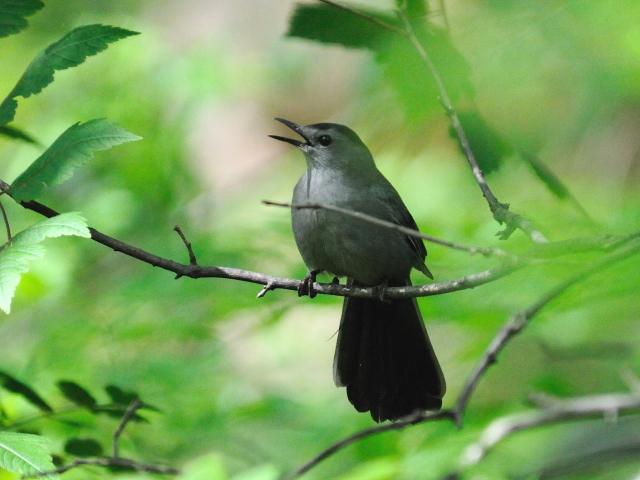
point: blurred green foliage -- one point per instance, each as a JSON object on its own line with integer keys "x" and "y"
{"x": 244, "y": 386}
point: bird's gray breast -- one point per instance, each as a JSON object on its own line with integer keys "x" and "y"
{"x": 342, "y": 245}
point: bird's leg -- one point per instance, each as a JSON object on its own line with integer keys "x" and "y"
{"x": 381, "y": 290}
{"x": 306, "y": 285}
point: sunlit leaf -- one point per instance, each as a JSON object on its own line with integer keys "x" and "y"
{"x": 73, "y": 148}
{"x": 13, "y": 385}
{"x": 70, "y": 51}
{"x": 13, "y": 15}
{"x": 26, "y": 454}
{"x": 25, "y": 247}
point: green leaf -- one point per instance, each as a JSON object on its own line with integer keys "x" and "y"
{"x": 77, "y": 394}
{"x": 17, "y": 134}
{"x": 70, "y": 51}
{"x": 25, "y": 247}
{"x": 328, "y": 24}
{"x": 124, "y": 397}
{"x": 403, "y": 67}
{"x": 13, "y": 15}
{"x": 13, "y": 385}
{"x": 83, "y": 447}
{"x": 73, "y": 148}
{"x": 26, "y": 454}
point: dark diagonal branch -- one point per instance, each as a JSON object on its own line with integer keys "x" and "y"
{"x": 521, "y": 319}
{"x": 513, "y": 326}
{"x": 399, "y": 425}
{"x": 126, "y": 418}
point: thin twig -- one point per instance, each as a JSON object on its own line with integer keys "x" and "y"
{"x": 463, "y": 283}
{"x": 554, "y": 410}
{"x": 199, "y": 271}
{"x": 109, "y": 462}
{"x": 399, "y": 425}
{"x": 192, "y": 256}
{"x": 367, "y": 17}
{"x": 520, "y": 320}
{"x": 514, "y": 325}
{"x": 115, "y": 460}
{"x": 126, "y": 418}
{"x": 500, "y": 210}
{"x": 6, "y": 224}
{"x": 486, "y": 251}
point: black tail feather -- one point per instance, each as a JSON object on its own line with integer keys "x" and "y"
{"x": 385, "y": 359}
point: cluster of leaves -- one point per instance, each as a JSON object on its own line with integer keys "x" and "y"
{"x": 70, "y": 150}
{"x": 406, "y": 72}
{"x": 22, "y": 452}
{"x": 28, "y": 453}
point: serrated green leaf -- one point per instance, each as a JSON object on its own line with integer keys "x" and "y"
{"x": 26, "y": 454}
{"x": 25, "y": 247}
{"x": 14, "y": 385}
{"x": 13, "y": 15}
{"x": 70, "y": 51}
{"x": 73, "y": 148}
{"x": 77, "y": 394}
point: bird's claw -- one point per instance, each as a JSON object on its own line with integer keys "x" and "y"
{"x": 306, "y": 285}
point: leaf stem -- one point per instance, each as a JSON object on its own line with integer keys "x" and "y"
{"x": 6, "y": 224}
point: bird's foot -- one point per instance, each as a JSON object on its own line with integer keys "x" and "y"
{"x": 306, "y": 285}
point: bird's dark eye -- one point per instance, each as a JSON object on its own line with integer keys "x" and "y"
{"x": 325, "y": 140}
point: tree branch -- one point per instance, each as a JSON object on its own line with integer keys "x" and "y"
{"x": 417, "y": 417}
{"x": 115, "y": 460}
{"x": 520, "y": 320}
{"x": 500, "y": 210}
{"x": 513, "y": 326}
{"x": 554, "y": 410}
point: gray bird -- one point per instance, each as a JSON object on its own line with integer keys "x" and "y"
{"x": 383, "y": 353}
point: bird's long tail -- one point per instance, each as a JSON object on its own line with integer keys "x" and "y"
{"x": 385, "y": 359}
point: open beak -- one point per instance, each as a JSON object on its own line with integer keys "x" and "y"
{"x": 296, "y": 128}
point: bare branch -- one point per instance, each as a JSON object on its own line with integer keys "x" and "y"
{"x": 192, "y": 256}
{"x": 486, "y": 251}
{"x": 128, "y": 415}
{"x": 417, "y": 417}
{"x": 520, "y": 320}
{"x": 553, "y": 410}
{"x": 514, "y": 325}
{"x": 110, "y": 462}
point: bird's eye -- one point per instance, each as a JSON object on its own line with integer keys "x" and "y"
{"x": 325, "y": 140}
